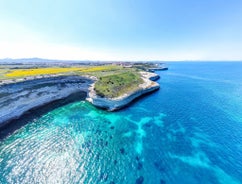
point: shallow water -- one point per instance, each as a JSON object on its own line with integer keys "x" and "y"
{"x": 190, "y": 131}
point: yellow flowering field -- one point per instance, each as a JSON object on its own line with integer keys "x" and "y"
{"x": 39, "y": 71}
{"x": 16, "y": 73}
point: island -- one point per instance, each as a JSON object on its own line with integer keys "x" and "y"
{"x": 109, "y": 86}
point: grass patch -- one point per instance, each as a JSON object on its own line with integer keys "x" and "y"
{"x": 117, "y": 84}
{"x": 113, "y": 80}
{"x": 3, "y": 73}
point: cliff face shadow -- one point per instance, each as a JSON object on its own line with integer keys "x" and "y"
{"x": 37, "y": 112}
{"x": 138, "y": 99}
{"x": 122, "y": 108}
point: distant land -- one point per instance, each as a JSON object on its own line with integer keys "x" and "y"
{"x": 37, "y": 60}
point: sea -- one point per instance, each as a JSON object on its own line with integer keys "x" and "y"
{"x": 187, "y": 132}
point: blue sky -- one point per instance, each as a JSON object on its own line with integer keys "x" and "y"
{"x": 121, "y": 29}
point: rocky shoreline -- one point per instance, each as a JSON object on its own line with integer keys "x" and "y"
{"x": 20, "y": 97}
{"x": 112, "y": 104}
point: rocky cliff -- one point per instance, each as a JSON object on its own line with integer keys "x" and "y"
{"x": 113, "y": 104}
{"x": 18, "y": 98}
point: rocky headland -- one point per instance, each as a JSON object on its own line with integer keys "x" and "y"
{"x": 112, "y": 104}
{"x": 19, "y": 97}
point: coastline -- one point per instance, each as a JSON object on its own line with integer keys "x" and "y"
{"x": 31, "y": 93}
{"x": 113, "y": 104}
{"x": 19, "y": 98}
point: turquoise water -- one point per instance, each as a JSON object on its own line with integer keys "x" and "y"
{"x": 190, "y": 131}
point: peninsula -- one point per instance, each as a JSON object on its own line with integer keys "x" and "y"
{"x": 110, "y": 86}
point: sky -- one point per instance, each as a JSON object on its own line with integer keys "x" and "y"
{"x": 168, "y": 30}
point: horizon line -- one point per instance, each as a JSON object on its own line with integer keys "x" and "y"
{"x": 88, "y": 60}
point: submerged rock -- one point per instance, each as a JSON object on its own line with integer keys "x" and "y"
{"x": 139, "y": 180}
{"x": 140, "y": 166}
{"x": 103, "y": 177}
{"x": 137, "y": 158}
{"x": 159, "y": 166}
{"x": 122, "y": 150}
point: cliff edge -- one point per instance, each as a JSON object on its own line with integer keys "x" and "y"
{"x": 112, "y": 104}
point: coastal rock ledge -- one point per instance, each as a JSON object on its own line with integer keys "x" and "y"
{"x": 20, "y": 97}
{"x": 112, "y": 104}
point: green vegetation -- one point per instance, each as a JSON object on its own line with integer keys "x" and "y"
{"x": 148, "y": 66}
{"x": 109, "y": 70}
{"x": 144, "y": 66}
{"x": 117, "y": 84}
{"x": 3, "y": 73}
{"x": 113, "y": 80}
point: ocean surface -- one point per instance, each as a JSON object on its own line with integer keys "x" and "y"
{"x": 190, "y": 131}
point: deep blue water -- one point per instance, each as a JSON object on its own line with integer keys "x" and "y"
{"x": 190, "y": 131}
